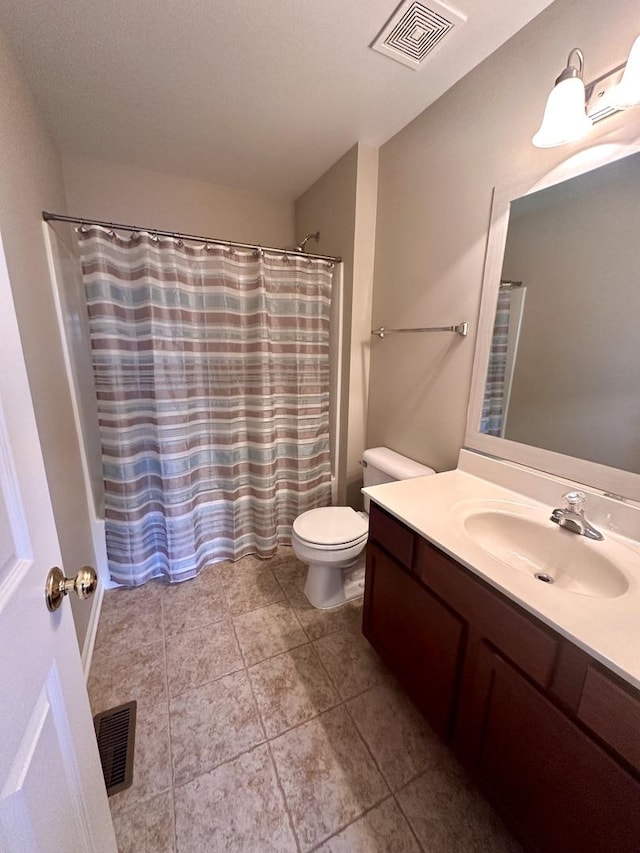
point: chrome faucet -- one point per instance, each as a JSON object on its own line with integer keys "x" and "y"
{"x": 571, "y": 516}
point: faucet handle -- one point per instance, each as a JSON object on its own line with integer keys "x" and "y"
{"x": 575, "y": 500}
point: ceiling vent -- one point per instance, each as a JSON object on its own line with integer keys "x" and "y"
{"x": 415, "y": 30}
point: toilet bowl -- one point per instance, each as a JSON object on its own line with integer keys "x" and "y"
{"x": 332, "y": 540}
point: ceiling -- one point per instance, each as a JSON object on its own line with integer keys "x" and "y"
{"x": 260, "y": 94}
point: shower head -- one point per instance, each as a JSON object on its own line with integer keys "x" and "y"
{"x": 303, "y": 243}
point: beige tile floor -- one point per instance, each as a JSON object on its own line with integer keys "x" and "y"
{"x": 265, "y": 725}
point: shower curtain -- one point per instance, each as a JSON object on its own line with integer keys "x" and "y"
{"x": 211, "y": 368}
{"x": 493, "y": 405}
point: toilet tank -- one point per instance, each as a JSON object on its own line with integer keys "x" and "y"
{"x": 382, "y": 465}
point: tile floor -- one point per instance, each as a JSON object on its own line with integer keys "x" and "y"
{"x": 266, "y": 725}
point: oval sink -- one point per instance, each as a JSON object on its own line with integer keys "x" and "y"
{"x": 542, "y": 549}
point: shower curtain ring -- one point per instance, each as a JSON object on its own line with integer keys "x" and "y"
{"x": 82, "y": 229}
{"x": 111, "y": 233}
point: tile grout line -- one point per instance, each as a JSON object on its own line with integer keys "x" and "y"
{"x": 306, "y": 642}
{"x": 409, "y": 824}
{"x": 318, "y": 713}
{"x": 328, "y": 674}
{"x": 231, "y": 619}
{"x": 299, "y": 725}
{"x": 367, "y": 811}
{"x": 199, "y": 628}
{"x": 298, "y": 619}
{"x": 294, "y": 834}
{"x": 366, "y": 745}
{"x": 392, "y": 792}
{"x": 343, "y": 702}
{"x": 268, "y": 745}
{"x": 210, "y": 681}
{"x": 277, "y": 580}
{"x": 166, "y": 681}
{"x": 304, "y": 722}
{"x": 245, "y": 751}
{"x": 259, "y": 607}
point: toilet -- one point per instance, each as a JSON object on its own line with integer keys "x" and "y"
{"x": 331, "y": 540}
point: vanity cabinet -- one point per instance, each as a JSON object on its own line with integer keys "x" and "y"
{"x": 559, "y": 789}
{"x": 551, "y": 736}
{"x": 420, "y": 638}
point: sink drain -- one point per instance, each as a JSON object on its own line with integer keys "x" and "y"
{"x": 544, "y": 577}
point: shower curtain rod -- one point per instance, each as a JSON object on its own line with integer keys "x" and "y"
{"x": 58, "y": 217}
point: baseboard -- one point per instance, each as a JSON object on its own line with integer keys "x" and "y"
{"x": 92, "y": 630}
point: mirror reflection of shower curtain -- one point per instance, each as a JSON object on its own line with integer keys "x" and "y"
{"x": 211, "y": 369}
{"x": 502, "y": 357}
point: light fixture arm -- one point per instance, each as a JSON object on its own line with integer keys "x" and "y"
{"x": 571, "y": 70}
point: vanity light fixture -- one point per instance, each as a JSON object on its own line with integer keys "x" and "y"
{"x": 565, "y": 118}
{"x": 626, "y": 93}
{"x": 572, "y": 109}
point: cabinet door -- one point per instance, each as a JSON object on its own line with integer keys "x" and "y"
{"x": 560, "y": 789}
{"x": 418, "y": 636}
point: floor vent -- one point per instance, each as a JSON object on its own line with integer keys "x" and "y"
{"x": 414, "y": 31}
{"x": 115, "y": 731}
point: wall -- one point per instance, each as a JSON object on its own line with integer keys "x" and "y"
{"x": 74, "y": 319}
{"x": 114, "y": 193}
{"x": 342, "y": 206}
{"x": 575, "y": 248}
{"x": 30, "y": 180}
{"x": 435, "y": 188}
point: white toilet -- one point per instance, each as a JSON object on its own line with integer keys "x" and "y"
{"x": 331, "y": 539}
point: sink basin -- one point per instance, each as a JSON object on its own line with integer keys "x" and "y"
{"x": 524, "y": 539}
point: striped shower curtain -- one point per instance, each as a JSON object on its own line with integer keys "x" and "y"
{"x": 211, "y": 369}
{"x": 492, "y": 420}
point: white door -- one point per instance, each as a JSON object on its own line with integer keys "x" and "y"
{"x": 52, "y": 795}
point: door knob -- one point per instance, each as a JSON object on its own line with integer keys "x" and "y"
{"x": 84, "y": 584}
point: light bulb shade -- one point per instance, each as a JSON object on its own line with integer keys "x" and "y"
{"x": 565, "y": 118}
{"x": 627, "y": 93}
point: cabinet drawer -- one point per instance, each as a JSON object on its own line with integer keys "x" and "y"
{"x": 612, "y": 711}
{"x": 525, "y": 641}
{"x": 392, "y": 535}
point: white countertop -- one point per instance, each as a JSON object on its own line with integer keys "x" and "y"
{"x": 607, "y": 628}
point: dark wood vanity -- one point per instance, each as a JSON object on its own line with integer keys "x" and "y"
{"x": 550, "y": 735}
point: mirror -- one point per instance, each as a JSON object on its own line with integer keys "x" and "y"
{"x": 564, "y": 369}
{"x": 557, "y": 371}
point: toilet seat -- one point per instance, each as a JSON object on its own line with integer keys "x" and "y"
{"x": 331, "y": 528}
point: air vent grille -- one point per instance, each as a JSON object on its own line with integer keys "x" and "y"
{"x": 115, "y": 732}
{"x": 415, "y": 30}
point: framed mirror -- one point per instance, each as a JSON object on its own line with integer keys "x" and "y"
{"x": 556, "y": 380}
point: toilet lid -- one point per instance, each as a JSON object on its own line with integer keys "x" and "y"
{"x": 331, "y": 525}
